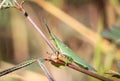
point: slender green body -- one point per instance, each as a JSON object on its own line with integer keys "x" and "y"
{"x": 65, "y": 50}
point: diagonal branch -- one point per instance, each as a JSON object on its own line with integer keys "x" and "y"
{"x": 90, "y": 73}
{"x": 70, "y": 65}
{"x": 19, "y": 6}
{"x": 45, "y": 70}
{"x": 19, "y": 66}
{"x": 27, "y": 63}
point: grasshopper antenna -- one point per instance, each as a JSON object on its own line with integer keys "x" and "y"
{"x": 46, "y": 25}
{"x": 51, "y": 34}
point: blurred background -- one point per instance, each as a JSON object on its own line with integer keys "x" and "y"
{"x": 89, "y": 27}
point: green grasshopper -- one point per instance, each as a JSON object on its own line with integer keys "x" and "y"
{"x": 68, "y": 53}
{"x": 61, "y": 48}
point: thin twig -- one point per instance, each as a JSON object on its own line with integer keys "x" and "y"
{"x": 35, "y": 26}
{"x": 26, "y": 63}
{"x": 45, "y": 70}
{"x": 90, "y": 73}
{"x": 19, "y": 66}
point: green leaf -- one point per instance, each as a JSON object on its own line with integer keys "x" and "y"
{"x": 113, "y": 34}
{"x": 119, "y": 64}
